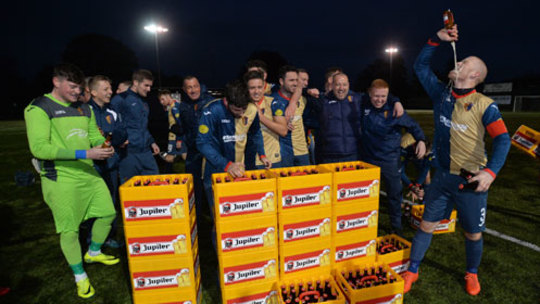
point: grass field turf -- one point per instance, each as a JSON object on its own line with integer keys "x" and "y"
{"x": 32, "y": 264}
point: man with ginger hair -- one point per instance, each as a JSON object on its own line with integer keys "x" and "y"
{"x": 381, "y": 141}
{"x": 462, "y": 117}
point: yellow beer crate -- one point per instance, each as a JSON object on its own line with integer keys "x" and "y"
{"x": 164, "y": 274}
{"x": 353, "y": 251}
{"x": 244, "y": 269}
{"x": 323, "y": 284}
{"x": 264, "y": 293}
{"x": 397, "y": 259}
{"x": 356, "y": 219}
{"x": 384, "y": 293}
{"x": 161, "y": 240}
{"x": 246, "y": 235}
{"x": 244, "y": 197}
{"x": 302, "y": 188}
{"x": 307, "y": 258}
{"x": 444, "y": 226}
{"x": 528, "y": 140}
{"x": 353, "y": 181}
{"x": 298, "y": 226}
{"x": 187, "y": 296}
{"x": 156, "y": 201}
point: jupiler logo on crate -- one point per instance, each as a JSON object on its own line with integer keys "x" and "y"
{"x": 353, "y": 192}
{"x": 302, "y": 232}
{"x": 240, "y": 207}
{"x": 351, "y": 253}
{"x": 301, "y": 199}
{"x": 142, "y": 282}
{"x": 245, "y": 241}
{"x": 352, "y": 223}
{"x": 155, "y": 247}
{"x": 303, "y": 263}
{"x": 247, "y": 274}
{"x": 156, "y": 211}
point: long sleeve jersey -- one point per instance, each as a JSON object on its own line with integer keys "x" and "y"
{"x": 108, "y": 121}
{"x": 461, "y": 122}
{"x": 134, "y": 112}
{"x": 222, "y": 137}
{"x": 189, "y": 113}
{"x": 57, "y": 131}
{"x": 381, "y": 132}
{"x": 295, "y": 140}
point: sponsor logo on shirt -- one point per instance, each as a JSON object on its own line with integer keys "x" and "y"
{"x": 225, "y": 121}
{"x": 450, "y": 124}
{"x": 233, "y": 138}
{"x": 77, "y": 132}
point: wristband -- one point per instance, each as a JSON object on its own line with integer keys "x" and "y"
{"x": 80, "y": 154}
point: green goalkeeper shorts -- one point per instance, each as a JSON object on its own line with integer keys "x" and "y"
{"x": 76, "y": 199}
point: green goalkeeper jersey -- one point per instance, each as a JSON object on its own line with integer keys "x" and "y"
{"x": 56, "y": 130}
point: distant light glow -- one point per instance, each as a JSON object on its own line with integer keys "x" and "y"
{"x": 153, "y": 28}
{"x": 391, "y": 50}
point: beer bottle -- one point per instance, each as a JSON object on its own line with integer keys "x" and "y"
{"x": 107, "y": 143}
{"x": 176, "y": 181}
{"x": 253, "y": 176}
{"x": 227, "y": 179}
{"x": 137, "y": 183}
{"x": 448, "y": 19}
{"x": 263, "y": 176}
{"x": 284, "y": 293}
{"x": 218, "y": 180}
{"x": 147, "y": 182}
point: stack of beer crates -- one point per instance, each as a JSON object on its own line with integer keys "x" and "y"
{"x": 304, "y": 218}
{"x": 305, "y": 238}
{"x": 161, "y": 237}
{"x": 355, "y": 210}
{"x": 246, "y": 237}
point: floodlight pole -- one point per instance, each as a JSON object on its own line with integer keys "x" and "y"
{"x": 156, "y": 29}
{"x": 391, "y": 51}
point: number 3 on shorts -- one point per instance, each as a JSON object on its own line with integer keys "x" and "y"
{"x": 482, "y": 217}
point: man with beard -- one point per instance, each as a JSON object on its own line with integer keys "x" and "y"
{"x": 293, "y": 146}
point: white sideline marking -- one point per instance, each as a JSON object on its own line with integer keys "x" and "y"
{"x": 496, "y": 234}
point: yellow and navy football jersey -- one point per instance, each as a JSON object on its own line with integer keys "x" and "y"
{"x": 298, "y": 136}
{"x": 222, "y": 138}
{"x": 270, "y": 138}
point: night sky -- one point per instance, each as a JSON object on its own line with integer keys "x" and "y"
{"x": 213, "y": 40}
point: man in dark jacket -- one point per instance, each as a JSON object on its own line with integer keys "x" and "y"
{"x": 381, "y": 142}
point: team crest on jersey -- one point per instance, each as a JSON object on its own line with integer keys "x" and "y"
{"x": 177, "y": 115}
{"x": 109, "y": 119}
{"x": 349, "y": 98}
{"x": 80, "y": 110}
{"x": 263, "y": 110}
{"x": 467, "y": 106}
{"x": 245, "y": 120}
{"x": 279, "y": 112}
{"x": 385, "y": 114}
{"x": 203, "y": 129}
{"x": 195, "y": 107}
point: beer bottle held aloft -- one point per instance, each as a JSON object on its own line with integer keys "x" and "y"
{"x": 107, "y": 142}
{"x": 448, "y": 19}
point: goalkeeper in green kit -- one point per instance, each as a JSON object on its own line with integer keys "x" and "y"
{"x": 63, "y": 135}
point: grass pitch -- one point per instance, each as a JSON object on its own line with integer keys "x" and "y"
{"x": 33, "y": 266}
